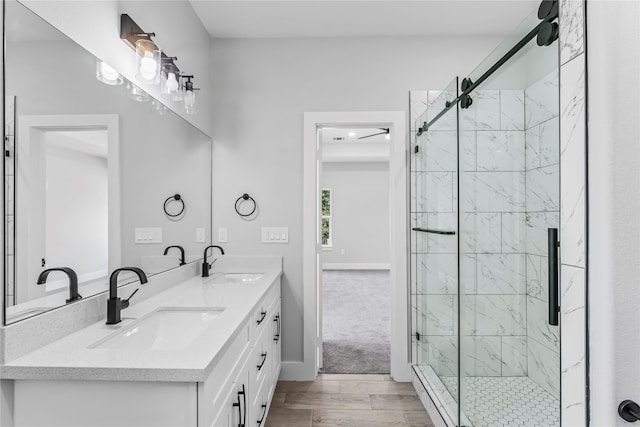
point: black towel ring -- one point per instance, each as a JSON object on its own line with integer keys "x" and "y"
{"x": 177, "y": 198}
{"x": 245, "y": 196}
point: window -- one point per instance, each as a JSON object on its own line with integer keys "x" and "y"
{"x": 326, "y": 218}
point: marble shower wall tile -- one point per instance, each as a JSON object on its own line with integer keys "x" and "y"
{"x": 493, "y": 314}
{"x": 501, "y": 274}
{"x": 543, "y": 367}
{"x": 481, "y": 356}
{"x": 572, "y": 360}
{"x": 571, "y": 29}
{"x": 573, "y": 161}
{"x": 469, "y": 150}
{"x": 440, "y": 151}
{"x": 447, "y": 121}
{"x": 481, "y": 233}
{"x": 468, "y": 274}
{"x": 500, "y": 151}
{"x": 418, "y": 103}
{"x": 532, "y": 147}
{"x": 435, "y": 192}
{"x": 514, "y": 230}
{"x": 536, "y": 286}
{"x": 543, "y": 189}
{"x": 512, "y": 109}
{"x": 485, "y": 113}
{"x": 443, "y": 355}
{"x": 538, "y": 327}
{"x": 514, "y": 356}
{"x": 437, "y": 274}
{"x": 549, "y": 133}
{"x": 537, "y": 225}
{"x": 493, "y": 191}
{"x": 440, "y": 314}
{"x": 541, "y": 100}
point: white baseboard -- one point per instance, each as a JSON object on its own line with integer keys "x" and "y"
{"x": 356, "y": 266}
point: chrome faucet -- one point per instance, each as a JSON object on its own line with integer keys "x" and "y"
{"x": 166, "y": 251}
{"x": 73, "y": 281}
{"x": 114, "y": 304}
{"x": 205, "y": 265}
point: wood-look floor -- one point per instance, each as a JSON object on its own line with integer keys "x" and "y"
{"x": 347, "y": 400}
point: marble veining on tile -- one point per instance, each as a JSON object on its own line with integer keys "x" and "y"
{"x": 493, "y": 315}
{"x": 493, "y": 191}
{"x": 512, "y": 109}
{"x": 544, "y": 367}
{"x": 501, "y": 274}
{"x": 543, "y": 189}
{"x": 480, "y": 233}
{"x": 514, "y": 356}
{"x": 541, "y": 100}
{"x": 500, "y": 151}
{"x": 538, "y": 327}
{"x": 485, "y": 114}
{"x": 514, "y": 229}
{"x": 571, "y": 19}
{"x": 482, "y": 356}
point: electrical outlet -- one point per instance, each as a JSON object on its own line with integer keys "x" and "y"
{"x": 200, "y": 237}
{"x": 222, "y": 234}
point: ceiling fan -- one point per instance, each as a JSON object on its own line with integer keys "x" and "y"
{"x": 385, "y": 132}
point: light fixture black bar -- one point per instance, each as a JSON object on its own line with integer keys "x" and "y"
{"x": 507, "y": 56}
{"x": 434, "y": 231}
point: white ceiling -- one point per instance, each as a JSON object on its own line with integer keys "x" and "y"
{"x": 360, "y": 18}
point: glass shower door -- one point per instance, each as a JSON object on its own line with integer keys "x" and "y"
{"x": 509, "y": 197}
{"x": 435, "y": 251}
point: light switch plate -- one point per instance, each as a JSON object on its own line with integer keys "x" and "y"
{"x": 148, "y": 235}
{"x": 200, "y": 238}
{"x": 275, "y": 234}
{"x": 222, "y": 234}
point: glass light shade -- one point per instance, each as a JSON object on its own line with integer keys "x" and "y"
{"x": 158, "y": 107}
{"x": 170, "y": 88}
{"x": 107, "y": 75}
{"x": 147, "y": 61}
{"x": 135, "y": 93}
{"x": 189, "y": 106}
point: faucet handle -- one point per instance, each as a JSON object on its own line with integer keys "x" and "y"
{"x": 125, "y": 302}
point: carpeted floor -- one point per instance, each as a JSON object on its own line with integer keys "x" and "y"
{"x": 355, "y": 319}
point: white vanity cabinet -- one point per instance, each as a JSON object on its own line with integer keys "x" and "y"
{"x": 238, "y": 391}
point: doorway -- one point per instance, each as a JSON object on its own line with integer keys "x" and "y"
{"x": 312, "y": 237}
{"x": 355, "y": 283}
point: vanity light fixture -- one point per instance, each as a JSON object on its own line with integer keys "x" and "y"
{"x": 189, "y": 106}
{"x": 170, "y": 87}
{"x": 107, "y": 74}
{"x": 154, "y": 66}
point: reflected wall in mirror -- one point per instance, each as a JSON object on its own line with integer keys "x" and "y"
{"x": 88, "y": 167}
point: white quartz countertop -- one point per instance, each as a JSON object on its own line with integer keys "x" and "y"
{"x": 72, "y": 358}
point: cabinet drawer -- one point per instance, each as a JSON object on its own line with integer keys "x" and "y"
{"x": 213, "y": 392}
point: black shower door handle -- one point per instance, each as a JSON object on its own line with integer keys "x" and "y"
{"x": 553, "y": 245}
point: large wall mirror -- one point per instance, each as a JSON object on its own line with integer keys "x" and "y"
{"x": 88, "y": 168}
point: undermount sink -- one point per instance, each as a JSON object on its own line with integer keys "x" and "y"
{"x": 170, "y": 328}
{"x": 234, "y": 278}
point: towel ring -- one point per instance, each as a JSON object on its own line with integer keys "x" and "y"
{"x": 177, "y": 198}
{"x": 245, "y": 197}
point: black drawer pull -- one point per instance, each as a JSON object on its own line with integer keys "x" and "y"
{"x": 264, "y": 359}
{"x": 276, "y": 319}
{"x": 264, "y": 413}
{"x": 263, "y": 315}
{"x": 241, "y": 421}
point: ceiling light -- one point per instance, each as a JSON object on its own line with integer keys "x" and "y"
{"x": 387, "y": 137}
{"x": 351, "y": 134}
{"x": 147, "y": 61}
{"x": 106, "y": 74}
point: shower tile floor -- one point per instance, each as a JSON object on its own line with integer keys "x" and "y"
{"x": 506, "y": 401}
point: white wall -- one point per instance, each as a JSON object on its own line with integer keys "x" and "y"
{"x": 77, "y": 218}
{"x": 95, "y": 25}
{"x": 359, "y": 214}
{"x": 614, "y": 206}
{"x": 263, "y": 87}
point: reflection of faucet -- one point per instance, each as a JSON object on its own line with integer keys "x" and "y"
{"x": 205, "y": 265}
{"x": 181, "y": 253}
{"x": 73, "y": 281}
{"x": 114, "y": 304}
